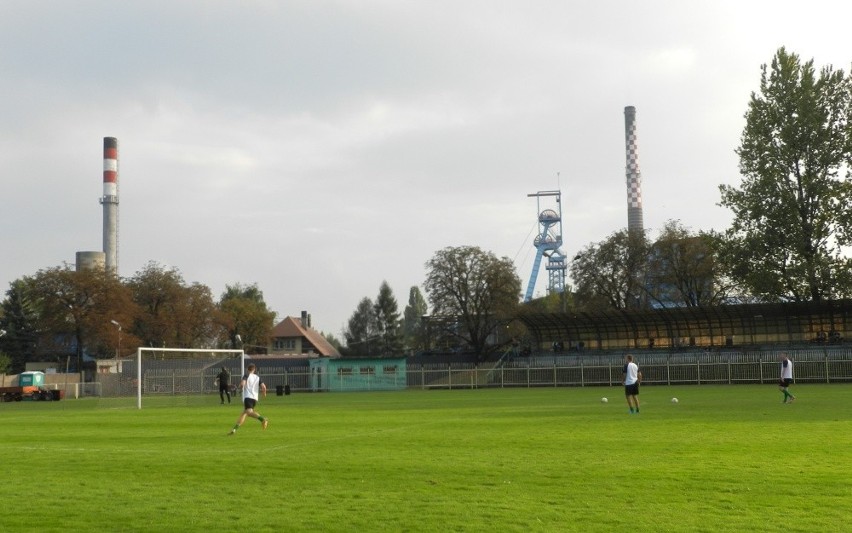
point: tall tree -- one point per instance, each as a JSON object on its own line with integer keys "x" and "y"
{"x": 76, "y": 310}
{"x": 475, "y": 290}
{"x": 682, "y": 268}
{"x": 172, "y": 313}
{"x": 361, "y": 331}
{"x": 611, "y": 274}
{"x": 791, "y": 211}
{"x": 412, "y": 322}
{"x": 388, "y": 324}
{"x": 244, "y": 313}
{"x": 20, "y": 323}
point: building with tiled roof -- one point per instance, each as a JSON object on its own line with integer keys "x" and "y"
{"x": 294, "y": 337}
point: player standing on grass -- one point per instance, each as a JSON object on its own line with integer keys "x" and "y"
{"x": 252, "y": 386}
{"x": 632, "y": 379}
{"x": 224, "y": 381}
{"x": 786, "y": 378}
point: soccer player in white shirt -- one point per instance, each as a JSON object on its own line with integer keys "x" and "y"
{"x": 252, "y": 386}
{"x": 632, "y": 379}
{"x": 786, "y": 379}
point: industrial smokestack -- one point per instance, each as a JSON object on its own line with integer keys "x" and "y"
{"x": 634, "y": 179}
{"x": 110, "y": 203}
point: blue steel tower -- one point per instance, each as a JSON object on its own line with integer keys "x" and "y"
{"x": 547, "y": 244}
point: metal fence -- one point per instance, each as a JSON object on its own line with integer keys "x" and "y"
{"x": 826, "y": 365}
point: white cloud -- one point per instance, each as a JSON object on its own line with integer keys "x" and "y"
{"x": 319, "y": 148}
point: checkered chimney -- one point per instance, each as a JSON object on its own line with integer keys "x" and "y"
{"x": 634, "y": 178}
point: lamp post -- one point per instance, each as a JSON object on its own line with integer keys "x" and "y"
{"x": 118, "y": 349}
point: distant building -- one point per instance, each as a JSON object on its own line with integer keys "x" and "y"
{"x": 360, "y": 374}
{"x": 294, "y": 336}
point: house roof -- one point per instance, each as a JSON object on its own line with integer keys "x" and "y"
{"x": 292, "y": 327}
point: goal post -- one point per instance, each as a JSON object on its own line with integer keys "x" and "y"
{"x": 182, "y": 371}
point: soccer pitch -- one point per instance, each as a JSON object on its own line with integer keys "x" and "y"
{"x": 725, "y": 458}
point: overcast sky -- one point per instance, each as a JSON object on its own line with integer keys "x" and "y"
{"x": 317, "y": 148}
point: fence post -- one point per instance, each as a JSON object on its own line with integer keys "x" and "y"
{"x": 699, "y": 370}
{"x": 554, "y": 373}
{"x": 669, "y": 369}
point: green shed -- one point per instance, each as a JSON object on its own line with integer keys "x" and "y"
{"x": 31, "y": 379}
{"x": 337, "y": 375}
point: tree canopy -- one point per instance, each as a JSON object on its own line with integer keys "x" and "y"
{"x": 388, "y": 323}
{"x": 682, "y": 268}
{"x": 610, "y": 274}
{"x": 244, "y": 312}
{"x": 362, "y": 330}
{"x": 475, "y": 290}
{"x": 412, "y": 321}
{"x": 791, "y": 211}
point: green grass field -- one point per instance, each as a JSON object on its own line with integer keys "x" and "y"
{"x": 726, "y": 458}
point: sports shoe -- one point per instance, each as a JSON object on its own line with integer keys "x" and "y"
{"x": 265, "y": 423}
{"x": 231, "y": 432}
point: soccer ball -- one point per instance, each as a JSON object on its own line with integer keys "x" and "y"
{"x": 674, "y": 400}
{"x": 604, "y": 400}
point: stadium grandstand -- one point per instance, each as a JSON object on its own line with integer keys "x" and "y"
{"x": 741, "y": 325}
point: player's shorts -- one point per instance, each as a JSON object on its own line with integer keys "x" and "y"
{"x": 631, "y": 390}
{"x": 249, "y": 403}
{"x": 786, "y": 382}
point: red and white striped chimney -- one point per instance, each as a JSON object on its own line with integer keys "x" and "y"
{"x": 110, "y": 203}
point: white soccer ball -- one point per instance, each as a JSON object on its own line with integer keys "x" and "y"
{"x": 604, "y": 399}
{"x": 674, "y": 400}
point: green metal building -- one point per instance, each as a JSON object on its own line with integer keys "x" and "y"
{"x": 337, "y": 374}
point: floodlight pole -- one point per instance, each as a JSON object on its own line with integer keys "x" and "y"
{"x": 118, "y": 349}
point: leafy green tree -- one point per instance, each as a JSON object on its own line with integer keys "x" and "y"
{"x": 79, "y": 307}
{"x": 20, "y": 322}
{"x": 553, "y": 302}
{"x": 334, "y": 341}
{"x": 172, "y": 313}
{"x": 682, "y": 268}
{"x": 475, "y": 291}
{"x": 388, "y": 325}
{"x": 412, "y": 322}
{"x": 362, "y": 330}
{"x": 245, "y": 313}
{"x": 611, "y": 274}
{"x": 791, "y": 211}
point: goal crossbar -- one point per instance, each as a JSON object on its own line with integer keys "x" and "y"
{"x": 199, "y": 351}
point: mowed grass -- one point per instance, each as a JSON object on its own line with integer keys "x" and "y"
{"x": 725, "y": 458}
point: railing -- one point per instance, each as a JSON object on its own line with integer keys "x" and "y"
{"x": 821, "y": 365}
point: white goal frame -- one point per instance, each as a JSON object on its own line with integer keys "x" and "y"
{"x": 141, "y": 350}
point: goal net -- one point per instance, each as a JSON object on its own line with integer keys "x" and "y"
{"x": 181, "y": 372}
